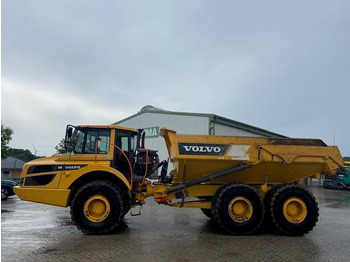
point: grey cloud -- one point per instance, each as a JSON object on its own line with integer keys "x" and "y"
{"x": 280, "y": 65}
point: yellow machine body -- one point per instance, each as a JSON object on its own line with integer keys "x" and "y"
{"x": 65, "y": 171}
{"x": 232, "y": 179}
{"x": 275, "y": 160}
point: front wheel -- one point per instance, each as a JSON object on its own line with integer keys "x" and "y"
{"x": 294, "y": 210}
{"x": 98, "y": 207}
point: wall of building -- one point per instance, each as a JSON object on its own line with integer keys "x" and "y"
{"x": 11, "y": 174}
{"x": 224, "y": 130}
{"x": 180, "y": 123}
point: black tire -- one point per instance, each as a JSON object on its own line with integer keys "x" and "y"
{"x": 4, "y": 193}
{"x": 112, "y": 217}
{"x": 214, "y": 200}
{"x": 127, "y": 203}
{"x": 207, "y": 212}
{"x": 127, "y": 209}
{"x": 268, "y": 224}
{"x": 303, "y": 218}
{"x": 243, "y": 224}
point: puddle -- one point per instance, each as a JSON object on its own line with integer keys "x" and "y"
{"x": 6, "y": 211}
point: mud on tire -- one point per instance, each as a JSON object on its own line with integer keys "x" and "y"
{"x": 109, "y": 203}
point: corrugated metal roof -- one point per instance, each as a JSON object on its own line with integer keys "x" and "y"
{"x": 12, "y": 163}
{"x": 212, "y": 118}
{"x": 243, "y": 126}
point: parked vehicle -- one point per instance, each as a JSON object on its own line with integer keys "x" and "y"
{"x": 7, "y": 188}
{"x": 341, "y": 180}
{"x": 236, "y": 181}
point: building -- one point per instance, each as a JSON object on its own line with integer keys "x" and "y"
{"x": 151, "y": 119}
{"x": 11, "y": 168}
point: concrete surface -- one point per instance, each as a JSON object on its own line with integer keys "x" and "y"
{"x": 36, "y": 232}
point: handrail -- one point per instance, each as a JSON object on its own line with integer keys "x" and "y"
{"x": 126, "y": 157}
{"x": 146, "y": 169}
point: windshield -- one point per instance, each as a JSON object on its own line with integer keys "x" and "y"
{"x": 83, "y": 141}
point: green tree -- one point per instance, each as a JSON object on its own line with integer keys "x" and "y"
{"x": 23, "y": 154}
{"x": 346, "y": 158}
{"x": 60, "y": 148}
{"x": 6, "y": 136}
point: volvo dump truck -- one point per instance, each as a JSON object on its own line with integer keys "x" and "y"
{"x": 239, "y": 182}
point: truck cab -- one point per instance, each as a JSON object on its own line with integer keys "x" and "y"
{"x": 112, "y": 153}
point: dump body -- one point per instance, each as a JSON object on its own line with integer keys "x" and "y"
{"x": 275, "y": 160}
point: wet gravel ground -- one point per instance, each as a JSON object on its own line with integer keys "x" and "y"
{"x": 37, "y": 232}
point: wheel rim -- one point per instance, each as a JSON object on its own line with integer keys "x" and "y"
{"x": 97, "y": 208}
{"x": 4, "y": 193}
{"x": 294, "y": 210}
{"x": 240, "y": 209}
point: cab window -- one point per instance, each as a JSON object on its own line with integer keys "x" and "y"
{"x": 92, "y": 136}
{"x": 85, "y": 141}
{"x": 126, "y": 141}
{"x": 78, "y": 141}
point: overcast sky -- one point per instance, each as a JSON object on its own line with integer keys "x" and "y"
{"x": 279, "y": 65}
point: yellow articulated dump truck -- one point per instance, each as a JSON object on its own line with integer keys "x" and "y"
{"x": 239, "y": 182}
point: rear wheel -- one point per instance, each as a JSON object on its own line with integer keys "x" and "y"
{"x": 214, "y": 201}
{"x": 294, "y": 210}
{"x": 98, "y": 207}
{"x": 267, "y": 202}
{"x": 238, "y": 209}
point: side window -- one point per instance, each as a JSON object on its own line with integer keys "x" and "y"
{"x": 78, "y": 139}
{"x": 92, "y": 136}
{"x": 123, "y": 141}
{"x": 104, "y": 136}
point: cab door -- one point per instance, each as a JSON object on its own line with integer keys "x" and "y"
{"x": 126, "y": 141}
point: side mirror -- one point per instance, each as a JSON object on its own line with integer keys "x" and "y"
{"x": 143, "y": 138}
{"x": 141, "y": 135}
{"x": 68, "y": 137}
{"x": 69, "y": 133}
